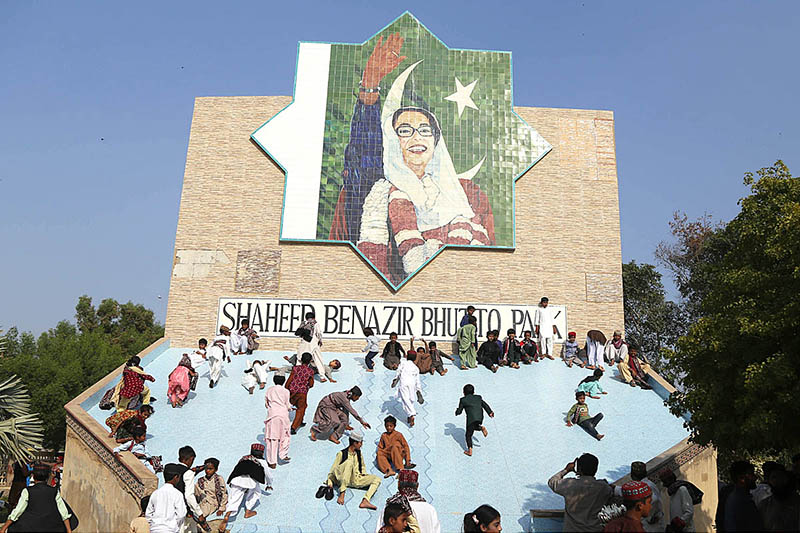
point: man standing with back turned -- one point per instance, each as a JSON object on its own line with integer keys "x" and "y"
{"x": 584, "y": 496}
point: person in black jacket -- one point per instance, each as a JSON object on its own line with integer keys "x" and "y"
{"x": 40, "y": 507}
{"x": 392, "y": 352}
{"x": 489, "y": 353}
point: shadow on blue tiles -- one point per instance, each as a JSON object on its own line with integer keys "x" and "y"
{"x": 222, "y": 374}
{"x": 617, "y": 377}
{"x": 459, "y": 435}
{"x": 392, "y": 407}
{"x": 237, "y": 520}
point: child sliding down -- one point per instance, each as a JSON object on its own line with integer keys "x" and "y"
{"x": 409, "y": 389}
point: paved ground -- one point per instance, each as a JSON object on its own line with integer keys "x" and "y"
{"x": 527, "y": 443}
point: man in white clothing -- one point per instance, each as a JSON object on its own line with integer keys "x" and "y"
{"x": 219, "y": 351}
{"x": 409, "y": 388}
{"x": 423, "y": 513}
{"x": 544, "y": 322}
{"x": 167, "y": 510}
{"x": 313, "y": 343}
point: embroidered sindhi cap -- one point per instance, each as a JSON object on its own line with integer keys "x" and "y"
{"x": 636, "y": 490}
{"x": 408, "y": 476}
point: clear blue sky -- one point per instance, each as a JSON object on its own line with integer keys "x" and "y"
{"x": 96, "y": 103}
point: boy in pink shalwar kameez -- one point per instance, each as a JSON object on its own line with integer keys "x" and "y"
{"x": 277, "y": 425}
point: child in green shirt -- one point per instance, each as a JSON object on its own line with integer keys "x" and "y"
{"x": 579, "y": 414}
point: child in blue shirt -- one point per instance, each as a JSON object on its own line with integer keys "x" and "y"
{"x": 591, "y": 385}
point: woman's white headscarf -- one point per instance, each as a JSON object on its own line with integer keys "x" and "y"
{"x": 438, "y": 197}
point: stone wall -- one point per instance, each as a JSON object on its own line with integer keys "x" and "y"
{"x": 227, "y": 242}
{"x": 104, "y": 491}
{"x": 101, "y": 489}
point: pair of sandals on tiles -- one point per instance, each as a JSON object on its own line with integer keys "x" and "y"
{"x": 325, "y": 491}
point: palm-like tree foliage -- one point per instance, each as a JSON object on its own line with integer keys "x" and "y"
{"x": 20, "y": 430}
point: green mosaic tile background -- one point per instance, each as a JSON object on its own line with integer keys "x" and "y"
{"x": 494, "y": 131}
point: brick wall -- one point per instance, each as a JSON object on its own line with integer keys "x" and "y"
{"x": 567, "y": 231}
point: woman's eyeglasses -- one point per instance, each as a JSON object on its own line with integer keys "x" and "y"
{"x": 406, "y": 130}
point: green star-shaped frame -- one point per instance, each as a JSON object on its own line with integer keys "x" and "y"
{"x": 309, "y": 137}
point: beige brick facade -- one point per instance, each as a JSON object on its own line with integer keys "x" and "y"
{"x": 567, "y": 231}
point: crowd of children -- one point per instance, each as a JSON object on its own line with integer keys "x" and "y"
{"x": 207, "y": 494}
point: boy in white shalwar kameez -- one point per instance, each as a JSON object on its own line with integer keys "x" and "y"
{"x": 260, "y": 369}
{"x": 255, "y": 374}
{"x": 245, "y": 481}
{"x": 219, "y": 351}
{"x": 249, "y": 381}
{"x": 198, "y": 357}
{"x": 409, "y": 388}
{"x": 314, "y": 345}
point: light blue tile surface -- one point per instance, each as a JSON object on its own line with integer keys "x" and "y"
{"x": 527, "y": 443}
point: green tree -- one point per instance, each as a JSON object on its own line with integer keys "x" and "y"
{"x": 740, "y": 361}
{"x": 685, "y": 258}
{"x": 651, "y": 321}
{"x": 86, "y": 315}
{"x": 65, "y": 360}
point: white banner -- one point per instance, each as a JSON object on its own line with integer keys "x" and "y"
{"x": 344, "y": 319}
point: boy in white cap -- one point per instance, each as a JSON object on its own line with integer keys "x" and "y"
{"x": 348, "y": 471}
